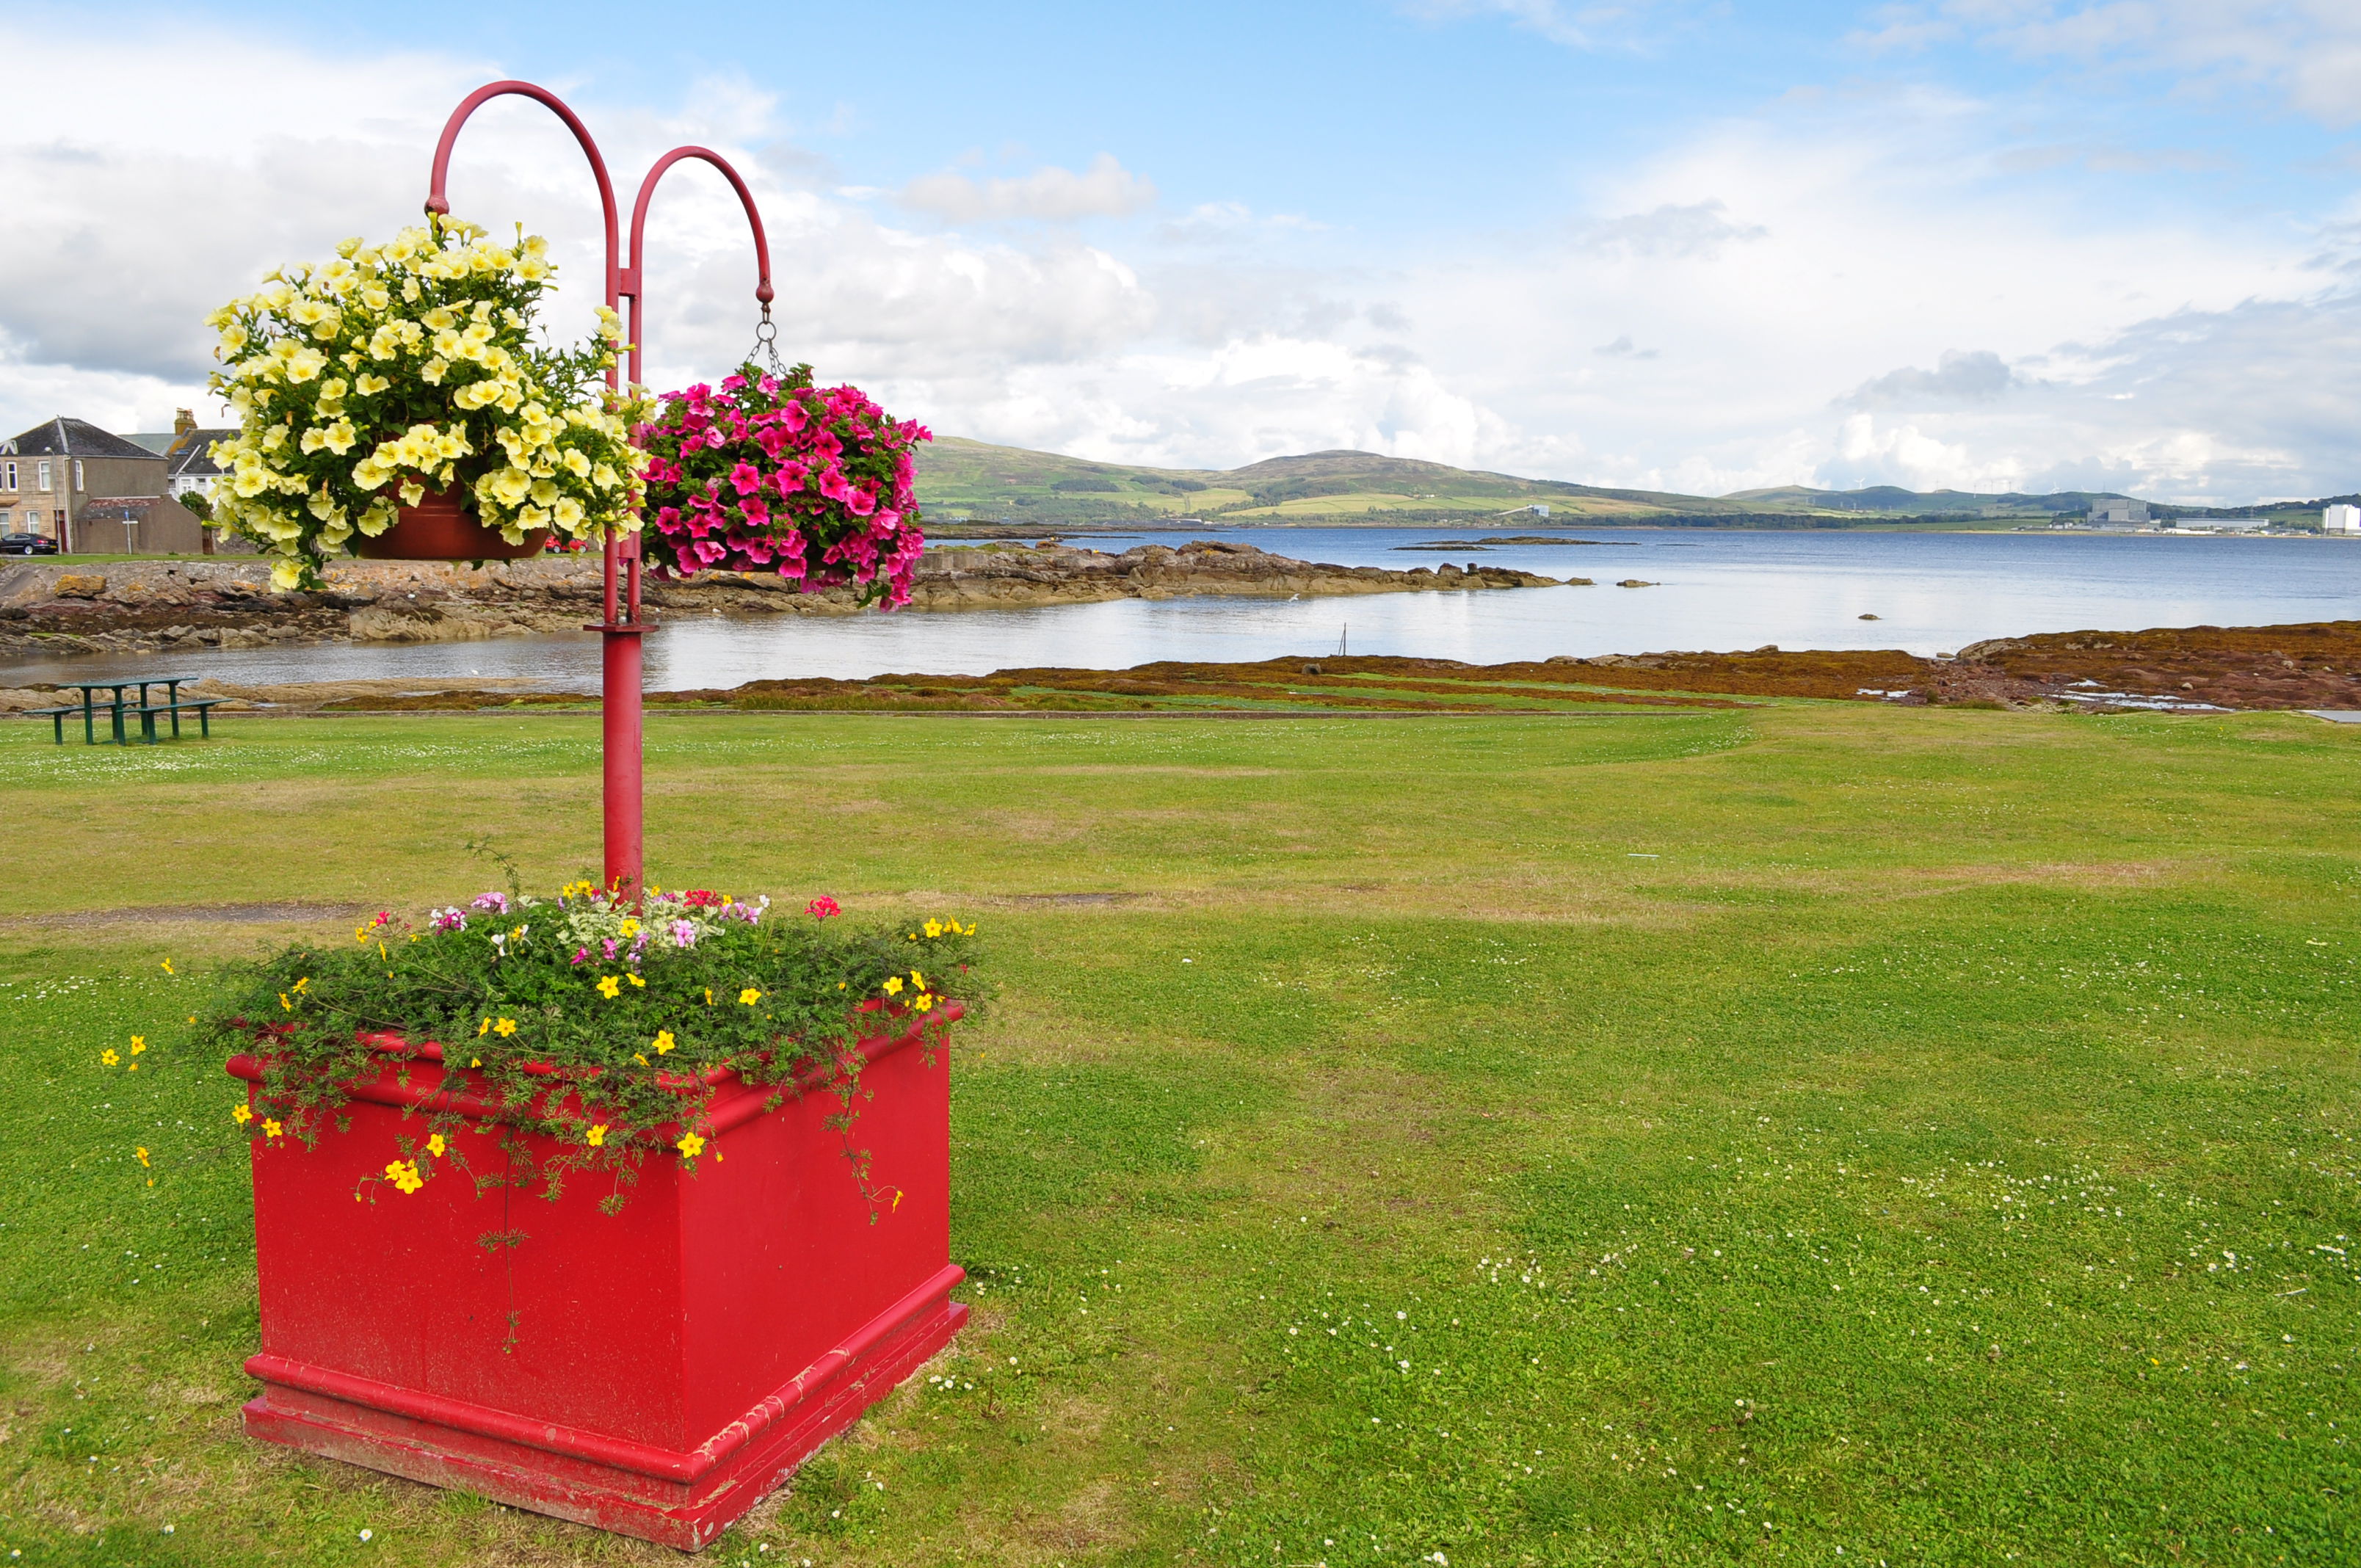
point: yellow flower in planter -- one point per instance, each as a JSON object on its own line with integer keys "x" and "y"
{"x": 241, "y": 1114}
{"x": 923, "y": 1001}
{"x": 690, "y": 1145}
{"x": 271, "y": 1129}
{"x": 435, "y": 1146}
{"x": 610, "y": 987}
{"x": 664, "y": 1041}
{"x": 748, "y": 997}
{"x": 484, "y": 1027}
{"x": 893, "y": 985}
{"x": 597, "y": 1135}
{"x": 638, "y": 981}
{"x": 506, "y": 1027}
{"x": 404, "y": 1175}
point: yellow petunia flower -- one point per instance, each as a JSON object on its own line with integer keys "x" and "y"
{"x": 404, "y": 1175}
{"x": 610, "y": 987}
{"x": 435, "y": 1146}
{"x": 893, "y": 985}
{"x": 917, "y": 979}
{"x": 271, "y": 1129}
{"x": 933, "y": 928}
{"x": 505, "y": 1028}
{"x": 923, "y": 1001}
{"x": 748, "y": 997}
{"x": 664, "y": 1041}
{"x": 690, "y": 1145}
{"x": 241, "y": 1114}
{"x": 484, "y": 1027}
{"x": 638, "y": 981}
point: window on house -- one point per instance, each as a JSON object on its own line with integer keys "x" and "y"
{"x": 41, "y": 476}
{"x": 10, "y": 476}
{"x": 78, "y": 485}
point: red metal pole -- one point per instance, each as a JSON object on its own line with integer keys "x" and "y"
{"x": 623, "y": 736}
{"x": 620, "y": 657}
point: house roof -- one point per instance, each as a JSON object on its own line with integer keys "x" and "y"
{"x": 192, "y": 459}
{"x": 63, "y": 437}
{"x": 160, "y": 442}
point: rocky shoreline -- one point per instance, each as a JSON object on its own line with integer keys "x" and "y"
{"x": 47, "y": 608}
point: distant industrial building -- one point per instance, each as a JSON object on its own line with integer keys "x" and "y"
{"x": 2341, "y": 520}
{"x": 2118, "y": 514}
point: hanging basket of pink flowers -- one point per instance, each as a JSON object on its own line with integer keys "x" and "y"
{"x": 768, "y": 473}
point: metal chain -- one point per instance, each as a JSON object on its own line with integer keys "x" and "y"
{"x": 766, "y": 347}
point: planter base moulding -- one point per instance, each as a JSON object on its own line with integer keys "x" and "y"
{"x": 655, "y": 1372}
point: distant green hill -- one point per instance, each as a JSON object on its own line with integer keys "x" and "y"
{"x": 973, "y": 480}
{"x": 1892, "y": 500}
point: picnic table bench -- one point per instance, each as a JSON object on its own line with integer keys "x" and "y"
{"x": 119, "y": 709}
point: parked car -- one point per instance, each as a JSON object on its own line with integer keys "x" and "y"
{"x": 28, "y": 544}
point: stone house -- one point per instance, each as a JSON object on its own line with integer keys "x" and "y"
{"x": 53, "y": 474}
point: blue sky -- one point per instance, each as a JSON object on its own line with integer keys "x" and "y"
{"x": 1990, "y": 244}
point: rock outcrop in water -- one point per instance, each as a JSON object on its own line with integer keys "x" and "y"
{"x": 48, "y": 608}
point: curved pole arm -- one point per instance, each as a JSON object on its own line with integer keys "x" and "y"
{"x": 634, "y": 277}
{"x": 439, "y": 202}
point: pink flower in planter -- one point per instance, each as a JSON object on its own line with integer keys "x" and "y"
{"x": 745, "y": 479}
{"x": 497, "y": 903}
{"x": 684, "y": 933}
{"x": 823, "y": 906}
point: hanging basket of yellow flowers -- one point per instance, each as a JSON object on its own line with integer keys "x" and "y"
{"x": 395, "y": 402}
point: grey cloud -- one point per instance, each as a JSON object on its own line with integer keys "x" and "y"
{"x": 1975, "y": 378}
{"x": 1622, "y": 349}
{"x": 1699, "y": 231}
{"x": 1105, "y": 188}
{"x": 799, "y": 166}
{"x": 2203, "y": 406}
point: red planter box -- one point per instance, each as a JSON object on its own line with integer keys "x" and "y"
{"x": 655, "y": 1372}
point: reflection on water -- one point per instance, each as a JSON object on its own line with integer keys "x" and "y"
{"x": 1931, "y": 593}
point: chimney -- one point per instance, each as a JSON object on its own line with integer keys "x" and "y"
{"x": 183, "y": 422}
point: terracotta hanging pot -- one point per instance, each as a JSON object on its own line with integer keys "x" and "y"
{"x": 443, "y": 527}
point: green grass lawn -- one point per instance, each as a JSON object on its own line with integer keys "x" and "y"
{"x": 1816, "y": 1132}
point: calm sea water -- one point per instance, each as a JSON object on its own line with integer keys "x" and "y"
{"x": 1932, "y": 592}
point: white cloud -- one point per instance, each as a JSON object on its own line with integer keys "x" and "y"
{"x": 1106, "y": 189}
{"x": 1604, "y": 23}
{"x": 1779, "y": 297}
{"x": 2308, "y": 51}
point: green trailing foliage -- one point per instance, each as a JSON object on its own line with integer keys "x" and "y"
{"x": 603, "y": 1023}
